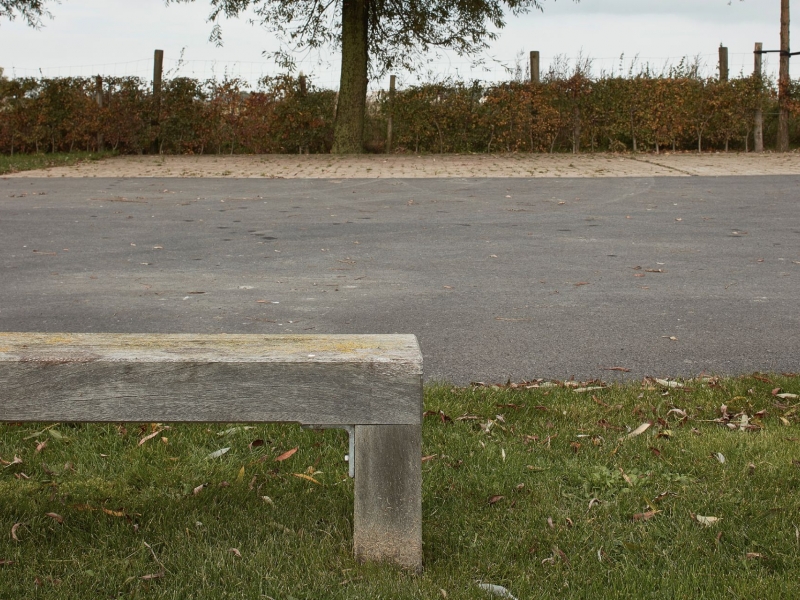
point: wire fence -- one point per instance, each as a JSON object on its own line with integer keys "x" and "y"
{"x": 485, "y": 68}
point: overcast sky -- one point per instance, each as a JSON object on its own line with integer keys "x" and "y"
{"x": 117, "y": 37}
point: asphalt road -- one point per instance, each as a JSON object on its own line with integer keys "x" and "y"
{"x": 499, "y": 278}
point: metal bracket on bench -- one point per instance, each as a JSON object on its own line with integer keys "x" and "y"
{"x": 350, "y": 458}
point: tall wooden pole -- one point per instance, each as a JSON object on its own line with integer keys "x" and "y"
{"x": 535, "y": 66}
{"x": 758, "y": 128}
{"x": 98, "y": 95}
{"x": 723, "y": 63}
{"x": 783, "y": 81}
{"x": 392, "y": 81}
{"x": 158, "y": 66}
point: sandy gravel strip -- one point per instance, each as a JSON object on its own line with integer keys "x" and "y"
{"x": 288, "y": 166}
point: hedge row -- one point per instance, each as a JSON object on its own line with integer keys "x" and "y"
{"x": 288, "y": 115}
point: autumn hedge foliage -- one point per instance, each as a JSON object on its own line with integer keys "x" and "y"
{"x": 566, "y": 112}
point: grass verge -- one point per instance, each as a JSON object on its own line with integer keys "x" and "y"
{"x": 29, "y": 162}
{"x": 543, "y": 490}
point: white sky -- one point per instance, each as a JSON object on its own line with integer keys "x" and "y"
{"x": 117, "y": 37}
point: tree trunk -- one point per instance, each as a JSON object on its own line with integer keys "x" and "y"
{"x": 348, "y": 127}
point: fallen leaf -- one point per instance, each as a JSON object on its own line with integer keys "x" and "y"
{"x": 427, "y": 458}
{"x": 217, "y": 453}
{"x": 788, "y": 396}
{"x": 14, "y": 529}
{"x": 496, "y": 590}
{"x": 150, "y": 436}
{"x": 41, "y": 446}
{"x": 720, "y": 457}
{"x": 581, "y": 283}
{"x": 255, "y": 444}
{"x": 638, "y": 431}
{"x": 56, "y": 517}
{"x": 705, "y": 521}
{"x": 240, "y": 476}
{"x": 17, "y": 460}
{"x": 152, "y": 576}
{"x": 666, "y": 383}
{"x": 750, "y": 555}
{"x": 286, "y": 454}
{"x": 496, "y": 498}
{"x": 645, "y": 516}
{"x": 114, "y": 513}
{"x": 306, "y": 477}
{"x": 55, "y": 434}
{"x": 3, "y": 561}
{"x": 593, "y": 388}
{"x": 38, "y": 433}
{"x": 623, "y": 369}
{"x": 199, "y": 489}
{"x": 235, "y": 552}
{"x": 228, "y": 431}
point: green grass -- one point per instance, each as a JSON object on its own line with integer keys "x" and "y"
{"x": 565, "y": 527}
{"x": 28, "y": 162}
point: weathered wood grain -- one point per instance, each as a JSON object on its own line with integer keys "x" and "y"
{"x": 311, "y": 379}
{"x": 387, "y": 518}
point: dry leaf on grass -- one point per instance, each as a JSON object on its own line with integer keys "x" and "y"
{"x": 667, "y": 383}
{"x": 496, "y": 498}
{"x": 217, "y": 453}
{"x": 496, "y": 590}
{"x": 14, "y": 529}
{"x": 286, "y": 454}
{"x": 788, "y": 396}
{"x": 17, "y": 461}
{"x": 645, "y": 516}
{"x": 705, "y": 521}
{"x": 41, "y": 446}
{"x": 3, "y": 561}
{"x": 150, "y": 436}
{"x": 114, "y": 513}
{"x": 235, "y": 552}
{"x": 56, "y": 517}
{"x": 306, "y": 477}
{"x": 638, "y": 431}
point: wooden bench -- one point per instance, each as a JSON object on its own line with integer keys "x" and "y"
{"x": 368, "y": 384}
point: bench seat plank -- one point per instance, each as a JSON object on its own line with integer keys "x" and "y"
{"x": 211, "y": 378}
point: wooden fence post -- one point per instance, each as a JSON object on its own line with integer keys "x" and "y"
{"x": 158, "y": 66}
{"x": 392, "y": 81}
{"x": 758, "y": 128}
{"x": 723, "y": 63}
{"x": 783, "y": 81}
{"x": 534, "y": 66}
{"x": 303, "y": 88}
{"x": 98, "y": 94}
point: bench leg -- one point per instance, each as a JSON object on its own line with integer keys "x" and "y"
{"x": 387, "y": 523}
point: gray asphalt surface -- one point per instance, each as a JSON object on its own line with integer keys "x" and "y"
{"x": 499, "y": 278}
